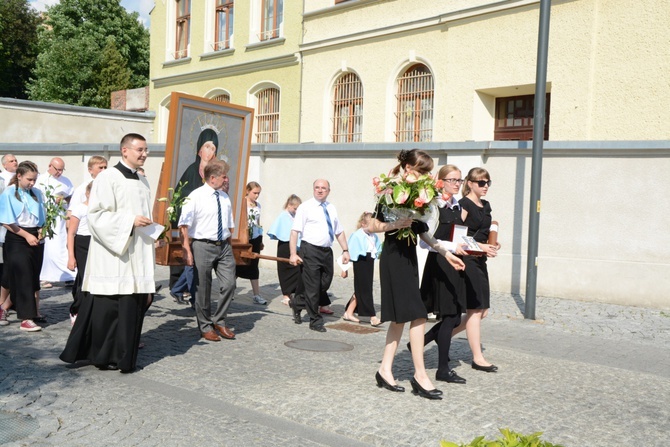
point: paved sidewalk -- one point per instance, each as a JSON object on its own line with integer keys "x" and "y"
{"x": 585, "y": 374}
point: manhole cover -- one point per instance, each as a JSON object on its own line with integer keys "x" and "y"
{"x": 15, "y": 426}
{"x": 319, "y": 345}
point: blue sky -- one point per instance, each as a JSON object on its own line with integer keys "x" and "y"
{"x": 140, "y": 6}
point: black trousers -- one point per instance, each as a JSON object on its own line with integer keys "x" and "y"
{"x": 317, "y": 274}
{"x": 22, "y": 272}
{"x": 81, "y": 244}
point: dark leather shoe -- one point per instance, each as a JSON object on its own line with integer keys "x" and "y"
{"x": 318, "y": 328}
{"x": 450, "y": 377}
{"x": 211, "y": 336}
{"x": 297, "y": 319}
{"x": 417, "y": 389}
{"x": 110, "y": 367}
{"x": 381, "y": 383}
{"x": 225, "y": 332}
{"x": 178, "y": 299}
{"x": 488, "y": 369}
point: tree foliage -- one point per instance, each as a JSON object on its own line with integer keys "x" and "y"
{"x": 18, "y": 46}
{"x": 89, "y": 48}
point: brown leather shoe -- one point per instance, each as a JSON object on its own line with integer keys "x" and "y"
{"x": 211, "y": 336}
{"x": 225, "y": 332}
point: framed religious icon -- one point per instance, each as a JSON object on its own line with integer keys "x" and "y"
{"x": 200, "y": 130}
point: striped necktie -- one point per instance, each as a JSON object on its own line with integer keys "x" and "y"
{"x": 331, "y": 233}
{"x": 219, "y": 231}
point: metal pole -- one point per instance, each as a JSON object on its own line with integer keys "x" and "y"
{"x": 536, "y": 173}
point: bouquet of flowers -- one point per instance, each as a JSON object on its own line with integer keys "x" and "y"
{"x": 175, "y": 202}
{"x": 410, "y": 195}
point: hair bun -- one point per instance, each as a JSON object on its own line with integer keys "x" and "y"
{"x": 402, "y": 157}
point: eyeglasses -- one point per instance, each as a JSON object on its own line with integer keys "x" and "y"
{"x": 453, "y": 180}
{"x": 482, "y": 183}
{"x": 144, "y": 150}
{"x": 56, "y": 169}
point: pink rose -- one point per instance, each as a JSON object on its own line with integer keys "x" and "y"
{"x": 419, "y": 202}
{"x": 376, "y": 181}
{"x": 439, "y": 184}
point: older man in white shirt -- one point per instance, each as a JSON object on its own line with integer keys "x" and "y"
{"x": 206, "y": 225}
{"x": 317, "y": 222}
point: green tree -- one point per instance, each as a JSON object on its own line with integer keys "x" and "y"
{"x": 18, "y": 46}
{"x": 88, "y": 48}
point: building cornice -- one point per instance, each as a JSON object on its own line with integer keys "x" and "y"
{"x": 227, "y": 71}
{"x": 440, "y": 20}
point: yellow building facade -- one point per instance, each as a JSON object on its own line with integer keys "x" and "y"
{"x": 607, "y": 73}
{"x": 240, "y": 52}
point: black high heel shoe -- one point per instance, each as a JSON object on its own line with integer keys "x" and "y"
{"x": 488, "y": 369}
{"x": 381, "y": 383}
{"x": 417, "y": 389}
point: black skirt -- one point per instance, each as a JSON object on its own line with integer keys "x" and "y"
{"x": 250, "y": 271}
{"x": 107, "y": 330}
{"x": 81, "y": 244}
{"x": 442, "y": 287}
{"x": 364, "y": 272}
{"x": 289, "y": 275}
{"x": 21, "y": 272}
{"x": 477, "y": 282}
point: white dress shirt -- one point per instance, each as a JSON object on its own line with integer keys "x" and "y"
{"x": 200, "y": 214}
{"x": 310, "y": 222}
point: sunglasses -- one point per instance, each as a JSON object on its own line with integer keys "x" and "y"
{"x": 482, "y": 183}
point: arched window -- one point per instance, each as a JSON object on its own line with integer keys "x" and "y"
{"x": 414, "y": 115}
{"x": 348, "y": 109}
{"x": 267, "y": 116}
{"x": 222, "y": 98}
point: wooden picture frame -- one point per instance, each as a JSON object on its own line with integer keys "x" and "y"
{"x": 194, "y": 120}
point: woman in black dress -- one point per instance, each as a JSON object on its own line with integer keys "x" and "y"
{"x": 443, "y": 287}
{"x": 476, "y": 215}
{"x": 400, "y": 295}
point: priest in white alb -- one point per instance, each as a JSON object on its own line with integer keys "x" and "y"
{"x": 119, "y": 274}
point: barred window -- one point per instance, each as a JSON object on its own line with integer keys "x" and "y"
{"x": 348, "y": 109}
{"x": 222, "y": 98}
{"x": 414, "y": 115}
{"x": 224, "y": 24}
{"x": 272, "y": 16}
{"x": 183, "y": 28}
{"x": 267, "y": 116}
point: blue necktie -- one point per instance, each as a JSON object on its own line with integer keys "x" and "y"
{"x": 219, "y": 231}
{"x": 331, "y": 233}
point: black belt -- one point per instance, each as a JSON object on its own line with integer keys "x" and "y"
{"x": 318, "y": 247}
{"x": 217, "y": 243}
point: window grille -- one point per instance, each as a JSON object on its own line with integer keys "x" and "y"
{"x": 414, "y": 115}
{"x": 267, "y": 116}
{"x": 222, "y": 98}
{"x": 348, "y": 109}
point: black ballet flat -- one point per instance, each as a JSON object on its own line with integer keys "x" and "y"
{"x": 418, "y": 390}
{"x": 381, "y": 383}
{"x": 488, "y": 369}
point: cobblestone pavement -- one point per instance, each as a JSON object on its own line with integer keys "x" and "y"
{"x": 585, "y": 374}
